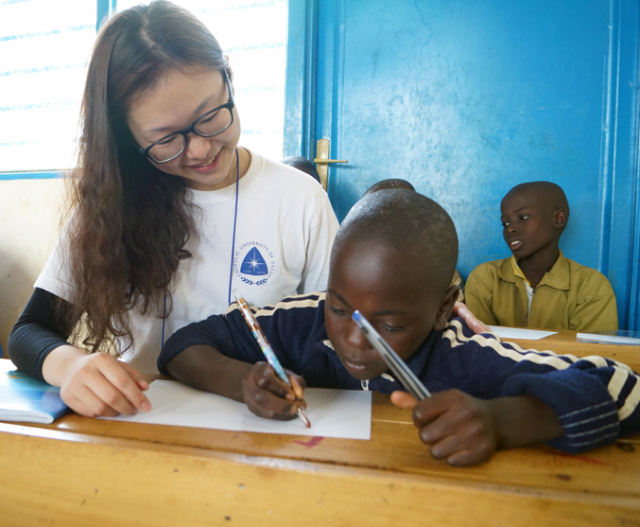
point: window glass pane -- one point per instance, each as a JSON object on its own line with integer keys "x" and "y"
{"x": 44, "y": 48}
{"x": 254, "y": 36}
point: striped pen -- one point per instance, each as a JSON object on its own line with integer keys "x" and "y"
{"x": 269, "y": 354}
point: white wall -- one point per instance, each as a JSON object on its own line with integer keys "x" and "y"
{"x": 29, "y": 228}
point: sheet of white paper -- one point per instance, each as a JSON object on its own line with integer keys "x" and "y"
{"x": 518, "y": 333}
{"x": 333, "y": 413}
{"x": 599, "y": 338}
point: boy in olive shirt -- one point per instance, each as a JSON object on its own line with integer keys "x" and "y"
{"x": 538, "y": 287}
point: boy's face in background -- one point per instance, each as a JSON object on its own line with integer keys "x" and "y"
{"x": 527, "y": 223}
{"x": 391, "y": 291}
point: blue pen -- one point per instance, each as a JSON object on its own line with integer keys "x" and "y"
{"x": 269, "y": 354}
{"x": 400, "y": 369}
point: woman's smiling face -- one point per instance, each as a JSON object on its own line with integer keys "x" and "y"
{"x": 173, "y": 104}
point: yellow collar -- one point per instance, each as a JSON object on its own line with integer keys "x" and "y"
{"x": 517, "y": 271}
{"x": 559, "y": 277}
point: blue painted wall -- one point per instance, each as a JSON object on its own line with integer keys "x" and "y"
{"x": 466, "y": 100}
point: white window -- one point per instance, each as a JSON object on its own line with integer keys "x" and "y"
{"x": 45, "y": 46}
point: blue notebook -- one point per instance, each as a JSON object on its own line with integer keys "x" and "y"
{"x": 25, "y": 399}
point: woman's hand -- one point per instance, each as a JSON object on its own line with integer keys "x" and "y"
{"x": 459, "y": 428}
{"x": 95, "y": 384}
{"x": 462, "y": 311}
{"x": 268, "y": 397}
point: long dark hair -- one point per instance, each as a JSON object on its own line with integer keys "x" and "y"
{"x": 130, "y": 221}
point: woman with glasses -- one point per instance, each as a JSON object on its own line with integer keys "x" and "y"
{"x": 168, "y": 215}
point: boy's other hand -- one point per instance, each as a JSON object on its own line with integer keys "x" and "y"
{"x": 459, "y": 428}
{"x": 462, "y": 311}
{"x": 267, "y": 396}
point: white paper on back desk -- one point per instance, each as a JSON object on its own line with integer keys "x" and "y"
{"x": 519, "y": 333}
{"x": 333, "y": 413}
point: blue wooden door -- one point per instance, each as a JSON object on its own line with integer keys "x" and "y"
{"x": 467, "y": 99}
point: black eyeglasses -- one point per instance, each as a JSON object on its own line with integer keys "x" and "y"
{"x": 211, "y": 123}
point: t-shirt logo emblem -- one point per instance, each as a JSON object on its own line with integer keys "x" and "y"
{"x": 254, "y": 263}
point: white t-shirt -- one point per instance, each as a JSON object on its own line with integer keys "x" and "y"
{"x": 285, "y": 228}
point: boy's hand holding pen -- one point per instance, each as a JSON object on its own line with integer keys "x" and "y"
{"x": 269, "y": 397}
{"x": 266, "y": 385}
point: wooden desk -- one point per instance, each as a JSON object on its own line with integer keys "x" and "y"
{"x": 82, "y": 471}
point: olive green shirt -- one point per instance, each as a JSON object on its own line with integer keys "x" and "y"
{"x": 569, "y": 296}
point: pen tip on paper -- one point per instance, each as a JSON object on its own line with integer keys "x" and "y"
{"x": 304, "y": 418}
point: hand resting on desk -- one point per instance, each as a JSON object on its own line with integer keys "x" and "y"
{"x": 466, "y": 430}
{"x": 95, "y": 384}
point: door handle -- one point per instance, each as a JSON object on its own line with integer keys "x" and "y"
{"x": 322, "y": 160}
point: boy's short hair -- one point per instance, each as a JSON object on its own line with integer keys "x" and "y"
{"x": 302, "y": 164}
{"x": 406, "y": 222}
{"x": 553, "y": 194}
{"x": 389, "y": 184}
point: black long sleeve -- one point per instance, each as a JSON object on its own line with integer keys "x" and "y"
{"x": 36, "y": 333}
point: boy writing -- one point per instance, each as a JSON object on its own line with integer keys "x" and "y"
{"x": 538, "y": 287}
{"x": 393, "y": 259}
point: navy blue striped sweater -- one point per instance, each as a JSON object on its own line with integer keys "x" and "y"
{"x": 596, "y": 399}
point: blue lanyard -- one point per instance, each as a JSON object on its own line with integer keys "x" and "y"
{"x": 233, "y": 243}
{"x": 235, "y": 220}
